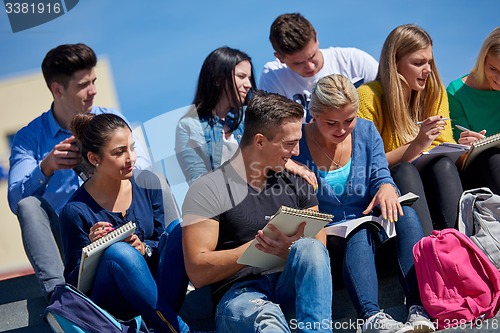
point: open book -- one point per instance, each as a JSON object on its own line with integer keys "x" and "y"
{"x": 91, "y": 254}
{"x": 478, "y": 147}
{"x": 345, "y": 228}
{"x": 287, "y": 220}
{"x": 452, "y": 150}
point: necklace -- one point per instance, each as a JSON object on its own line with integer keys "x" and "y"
{"x": 336, "y": 164}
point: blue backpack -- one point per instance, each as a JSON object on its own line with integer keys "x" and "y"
{"x": 71, "y": 311}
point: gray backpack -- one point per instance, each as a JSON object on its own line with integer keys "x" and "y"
{"x": 479, "y": 218}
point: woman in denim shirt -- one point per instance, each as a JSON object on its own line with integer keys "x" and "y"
{"x": 210, "y": 133}
{"x": 347, "y": 155}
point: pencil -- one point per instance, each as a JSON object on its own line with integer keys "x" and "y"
{"x": 421, "y": 122}
{"x": 463, "y": 129}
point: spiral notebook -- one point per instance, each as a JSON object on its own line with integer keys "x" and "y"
{"x": 92, "y": 253}
{"x": 478, "y": 147}
{"x": 287, "y": 220}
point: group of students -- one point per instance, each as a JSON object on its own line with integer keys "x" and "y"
{"x": 356, "y": 167}
{"x": 246, "y": 152}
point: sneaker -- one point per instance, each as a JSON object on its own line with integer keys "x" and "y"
{"x": 383, "y": 323}
{"x": 420, "y": 320}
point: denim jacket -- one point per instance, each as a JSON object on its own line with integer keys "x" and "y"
{"x": 369, "y": 170}
{"x": 199, "y": 142}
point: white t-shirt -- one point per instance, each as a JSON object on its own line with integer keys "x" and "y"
{"x": 229, "y": 148}
{"x": 353, "y": 63}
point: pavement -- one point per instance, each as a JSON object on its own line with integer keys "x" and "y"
{"x": 22, "y": 306}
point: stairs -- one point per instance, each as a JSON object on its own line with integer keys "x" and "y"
{"x": 22, "y": 306}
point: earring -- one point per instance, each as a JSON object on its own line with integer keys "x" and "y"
{"x": 96, "y": 165}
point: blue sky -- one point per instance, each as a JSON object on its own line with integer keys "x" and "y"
{"x": 156, "y": 47}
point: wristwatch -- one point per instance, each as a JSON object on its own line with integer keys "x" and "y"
{"x": 149, "y": 251}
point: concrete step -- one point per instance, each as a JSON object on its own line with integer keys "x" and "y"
{"x": 197, "y": 310}
{"x": 22, "y": 307}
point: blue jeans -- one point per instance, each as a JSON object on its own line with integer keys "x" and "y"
{"x": 125, "y": 286}
{"x": 359, "y": 272}
{"x": 299, "y": 297}
{"x": 42, "y": 241}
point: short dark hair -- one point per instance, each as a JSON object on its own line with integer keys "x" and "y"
{"x": 266, "y": 112}
{"x": 63, "y": 61}
{"x": 94, "y": 131}
{"x": 290, "y": 33}
{"x": 216, "y": 79}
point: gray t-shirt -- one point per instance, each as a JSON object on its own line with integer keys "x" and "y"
{"x": 241, "y": 210}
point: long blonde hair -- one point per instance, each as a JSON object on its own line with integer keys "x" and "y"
{"x": 400, "y": 113}
{"x": 491, "y": 46}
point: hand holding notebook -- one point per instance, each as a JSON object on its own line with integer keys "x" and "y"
{"x": 478, "y": 147}
{"x": 343, "y": 229}
{"x": 287, "y": 220}
{"x": 92, "y": 253}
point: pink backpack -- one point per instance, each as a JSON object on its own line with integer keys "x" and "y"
{"x": 458, "y": 284}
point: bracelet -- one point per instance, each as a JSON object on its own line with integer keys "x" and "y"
{"x": 393, "y": 186}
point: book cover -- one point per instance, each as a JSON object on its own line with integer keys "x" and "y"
{"x": 478, "y": 147}
{"x": 287, "y": 220}
{"x": 452, "y": 150}
{"x": 91, "y": 254}
{"x": 408, "y": 199}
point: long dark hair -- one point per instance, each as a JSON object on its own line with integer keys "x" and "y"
{"x": 216, "y": 76}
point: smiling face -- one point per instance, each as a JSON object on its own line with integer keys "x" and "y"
{"x": 416, "y": 67}
{"x": 335, "y": 125}
{"x": 242, "y": 76}
{"x": 306, "y": 62}
{"x": 117, "y": 157}
{"x": 492, "y": 71}
{"x": 283, "y": 146}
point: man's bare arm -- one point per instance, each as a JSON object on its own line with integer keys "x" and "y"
{"x": 204, "y": 265}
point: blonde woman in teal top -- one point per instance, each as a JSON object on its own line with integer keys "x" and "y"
{"x": 473, "y": 108}
{"x": 475, "y": 98}
{"x": 475, "y": 105}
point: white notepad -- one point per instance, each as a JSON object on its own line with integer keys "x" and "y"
{"x": 91, "y": 254}
{"x": 287, "y": 220}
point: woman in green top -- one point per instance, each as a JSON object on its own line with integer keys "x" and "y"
{"x": 475, "y": 104}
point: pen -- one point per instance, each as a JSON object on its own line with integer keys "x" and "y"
{"x": 420, "y": 122}
{"x": 463, "y": 129}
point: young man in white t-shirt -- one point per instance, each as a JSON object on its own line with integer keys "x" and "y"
{"x": 300, "y": 62}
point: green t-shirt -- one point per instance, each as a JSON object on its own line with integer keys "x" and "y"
{"x": 473, "y": 109}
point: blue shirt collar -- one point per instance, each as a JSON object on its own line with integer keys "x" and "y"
{"x": 54, "y": 125}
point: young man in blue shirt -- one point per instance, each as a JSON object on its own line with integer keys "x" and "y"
{"x": 43, "y": 154}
